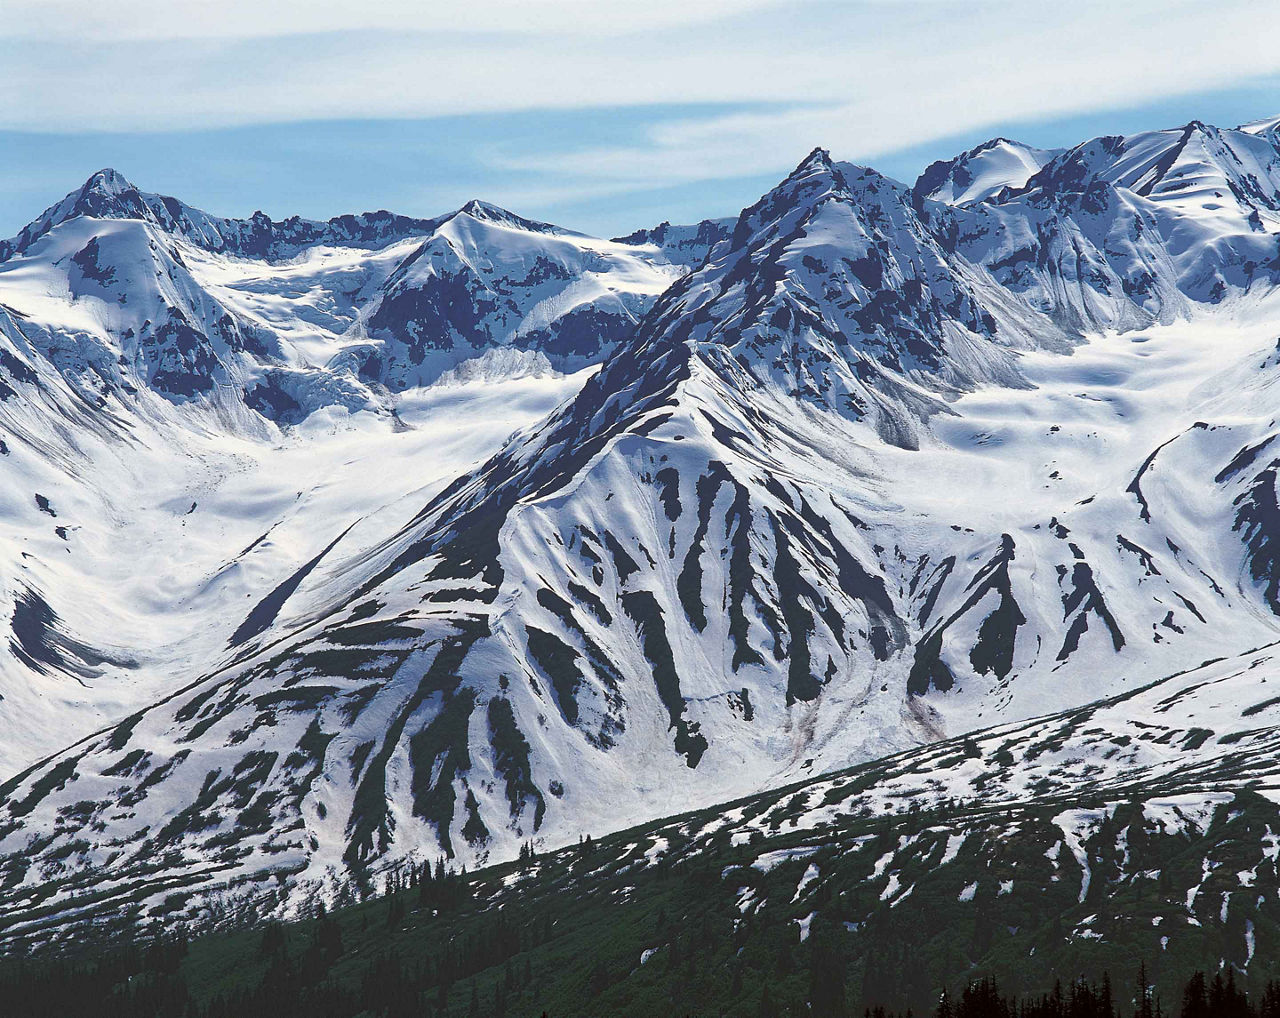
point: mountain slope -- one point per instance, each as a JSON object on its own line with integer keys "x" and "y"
{"x": 137, "y": 536}
{"x": 151, "y": 353}
{"x": 876, "y": 471}
{"x": 1140, "y": 828}
{"x": 485, "y": 278}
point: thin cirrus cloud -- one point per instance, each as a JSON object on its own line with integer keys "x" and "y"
{"x": 749, "y": 85}
{"x": 136, "y": 20}
{"x": 942, "y": 78}
{"x": 904, "y": 66}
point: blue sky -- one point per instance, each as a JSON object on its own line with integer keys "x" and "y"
{"x": 601, "y": 116}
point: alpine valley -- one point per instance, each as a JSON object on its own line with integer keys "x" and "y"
{"x": 934, "y": 523}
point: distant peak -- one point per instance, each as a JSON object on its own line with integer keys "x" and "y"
{"x": 994, "y": 143}
{"x": 818, "y": 160}
{"x": 478, "y": 209}
{"x": 487, "y": 212}
{"x": 1267, "y": 125}
{"x": 982, "y": 172}
{"x": 108, "y": 181}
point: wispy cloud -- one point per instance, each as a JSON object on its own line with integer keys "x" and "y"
{"x": 887, "y": 72}
{"x": 922, "y": 75}
{"x": 741, "y": 88}
{"x": 138, "y": 20}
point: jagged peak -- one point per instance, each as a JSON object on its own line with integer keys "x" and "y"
{"x": 817, "y": 180}
{"x": 646, "y": 234}
{"x": 988, "y": 145}
{"x": 485, "y": 209}
{"x": 107, "y": 194}
{"x": 817, "y": 161}
{"x": 818, "y": 173}
{"x": 666, "y": 230}
{"x": 974, "y": 175}
{"x": 481, "y": 209}
{"x": 108, "y": 181}
{"x": 1140, "y": 162}
{"x": 816, "y": 167}
{"x": 487, "y": 212}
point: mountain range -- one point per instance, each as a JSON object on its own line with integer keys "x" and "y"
{"x": 333, "y": 546}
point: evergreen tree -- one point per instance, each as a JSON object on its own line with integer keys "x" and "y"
{"x": 1144, "y": 1005}
{"x": 1195, "y": 999}
{"x": 826, "y": 979}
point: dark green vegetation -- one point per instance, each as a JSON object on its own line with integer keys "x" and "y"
{"x": 1201, "y": 997}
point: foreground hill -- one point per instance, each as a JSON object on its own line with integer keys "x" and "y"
{"x": 1139, "y": 829}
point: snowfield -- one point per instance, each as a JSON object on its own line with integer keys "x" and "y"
{"x": 159, "y": 546}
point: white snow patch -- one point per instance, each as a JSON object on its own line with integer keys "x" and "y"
{"x": 810, "y": 875}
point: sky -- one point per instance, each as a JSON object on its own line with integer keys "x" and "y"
{"x": 599, "y": 115}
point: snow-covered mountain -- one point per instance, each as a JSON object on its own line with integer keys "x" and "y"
{"x": 486, "y": 278}
{"x": 150, "y": 356}
{"x": 983, "y": 172}
{"x": 860, "y": 469}
{"x": 1117, "y": 232}
{"x": 297, "y": 315}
